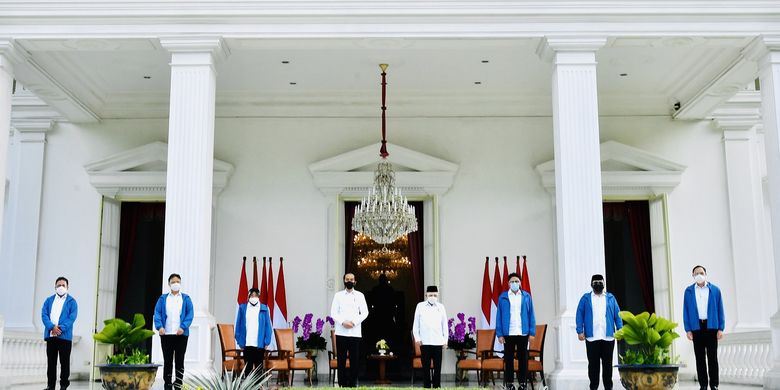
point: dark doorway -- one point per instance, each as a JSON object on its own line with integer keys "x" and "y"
{"x": 391, "y": 300}
{"x": 141, "y": 237}
{"x": 628, "y": 255}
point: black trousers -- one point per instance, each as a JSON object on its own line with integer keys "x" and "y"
{"x": 600, "y": 357}
{"x": 515, "y": 347}
{"x": 705, "y": 344}
{"x": 344, "y": 344}
{"x": 55, "y": 347}
{"x": 430, "y": 353}
{"x": 253, "y": 357}
{"x": 174, "y": 348}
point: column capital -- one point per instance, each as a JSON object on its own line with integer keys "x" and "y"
{"x": 32, "y": 130}
{"x": 7, "y": 54}
{"x": 199, "y": 50}
{"x": 740, "y": 114}
{"x": 763, "y": 49}
{"x": 576, "y": 46}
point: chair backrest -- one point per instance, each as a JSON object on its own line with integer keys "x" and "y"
{"x": 226, "y": 338}
{"x": 538, "y": 343}
{"x": 285, "y": 340}
{"x": 333, "y": 341}
{"x": 417, "y": 351}
{"x": 485, "y": 340}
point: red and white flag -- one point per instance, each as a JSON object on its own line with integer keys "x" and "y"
{"x": 280, "y": 309}
{"x": 264, "y": 287}
{"x": 243, "y": 291}
{"x": 487, "y": 297}
{"x": 505, "y": 280}
{"x": 271, "y": 300}
{"x": 497, "y": 290}
{"x": 254, "y": 273}
{"x": 525, "y": 282}
{"x": 517, "y": 268}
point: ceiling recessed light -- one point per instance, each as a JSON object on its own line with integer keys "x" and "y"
{"x": 285, "y": 62}
{"x": 293, "y": 83}
{"x": 478, "y": 82}
{"x": 147, "y": 77}
{"x": 623, "y": 74}
{"x": 485, "y": 61}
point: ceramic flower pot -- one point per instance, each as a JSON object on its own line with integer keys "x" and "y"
{"x": 128, "y": 376}
{"x": 648, "y": 377}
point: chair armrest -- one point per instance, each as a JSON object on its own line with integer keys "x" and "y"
{"x": 238, "y": 351}
{"x": 300, "y": 352}
{"x": 469, "y": 352}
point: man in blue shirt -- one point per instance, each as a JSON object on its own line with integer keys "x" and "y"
{"x": 58, "y": 315}
{"x": 515, "y": 327}
{"x": 597, "y": 321}
{"x": 704, "y": 321}
{"x": 172, "y": 319}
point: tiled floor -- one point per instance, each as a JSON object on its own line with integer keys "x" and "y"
{"x": 688, "y": 385}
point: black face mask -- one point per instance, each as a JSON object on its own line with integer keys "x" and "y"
{"x": 349, "y": 285}
{"x": 598, "y": 288}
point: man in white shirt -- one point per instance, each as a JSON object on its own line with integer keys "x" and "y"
{"x": 430, "y": 331}
{"x": 349, "y": 310}
{"x": 597, "y": 320}
{"x": 704, "y": 321}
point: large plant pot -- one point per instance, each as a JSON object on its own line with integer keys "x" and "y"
{"x": 128, "y": 376}
{"x": 648, "y": 377}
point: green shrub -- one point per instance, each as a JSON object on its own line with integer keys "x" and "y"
{"x": 124, "y": 336}
{"x": 649, "y": 336}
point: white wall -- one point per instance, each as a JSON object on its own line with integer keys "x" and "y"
{"x": 496, "y": 206}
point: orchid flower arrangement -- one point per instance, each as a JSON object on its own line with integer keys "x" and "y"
{"x": 462, "y": 335}
{"x": 311, "y": 337}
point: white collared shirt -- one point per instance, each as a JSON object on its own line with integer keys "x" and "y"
{"x": 515, "y": 314}
{"x": 173, "y": 307}
{"x": 56, "y": 309}
{"x": 349, "y": 306}
{"x": 702, "y": 299}
{"x": 598, "y": 303}
{"x": 252, "y": 324}
{"x": 430, "y": 324}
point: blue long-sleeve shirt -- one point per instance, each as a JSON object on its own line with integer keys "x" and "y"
{"x": 187, "y": 312}
{"x": 527, "y": 316}
{"x": 716, "y": 318}
{"x": 585, "y": 315}
{"x": 264, "y": 327}
{"x": 70, "y": 310}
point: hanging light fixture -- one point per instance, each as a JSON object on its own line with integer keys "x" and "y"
{"x": 384, "y": 215}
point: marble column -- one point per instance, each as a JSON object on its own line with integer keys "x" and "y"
{"x": 6, "y": 86}
{"x": 23, "y": 222}
{"x": 738, "y": 120}
{"x": 578, "y": 199}
{"x": 188, "y": 214}
{"x": 766, "y": 50}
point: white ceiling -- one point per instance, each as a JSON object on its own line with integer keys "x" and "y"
{"x": 340, "y": 77}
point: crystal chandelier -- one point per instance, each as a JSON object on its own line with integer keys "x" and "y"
{"x": 389, "y": 260}
{"x": 384, "y": 215}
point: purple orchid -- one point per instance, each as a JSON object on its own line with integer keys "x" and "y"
{"x": 296, "y": 323}
{"x": 472, "y": 324}
{"x": 461, "y": 317}
{"x": 320, "y": 324}
{"x": 330, "y": 320}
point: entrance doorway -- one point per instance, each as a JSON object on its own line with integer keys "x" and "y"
{"x": 628, "y": 255}
{"x": 391, "y": 297}
{"x": 140, "y": 266}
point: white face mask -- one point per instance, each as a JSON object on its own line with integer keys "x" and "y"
{"x": 254, "y": 300}
{"x": 61, "y": 290}
{"x": 700, "y": 278}
{"x": 433, "y": 300}
{"x": 175, "y": 287}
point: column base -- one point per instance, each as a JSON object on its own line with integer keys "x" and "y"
{"x": 199, "y": 359}
{"x": 772, "y": 377}
{"x": 571, "y": 367}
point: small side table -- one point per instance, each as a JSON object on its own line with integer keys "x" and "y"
{"x": 382, "y": 360}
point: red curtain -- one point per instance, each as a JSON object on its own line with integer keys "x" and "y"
{"x": 349, "y": 236}
{"x": 637, "y": 215}
{"x": 417, "y": 250}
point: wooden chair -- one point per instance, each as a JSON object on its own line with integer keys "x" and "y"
{"x": 333, "y": 363}
{"x": 416, "y": 358}
{"x": 232, "y": 360}
{"x": 285, "y": 344}
{"x": 536, "y": 355}
{"x": 484, "y": 349}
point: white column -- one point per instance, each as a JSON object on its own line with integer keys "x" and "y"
{"x": 578, "y": 201}
{"x": 23, "y": 221}
{"x": 189, "y": 184}
{"x": 746, "y": 214}
{"x": 766, "y": 50}
{"x": 6, "y": 85}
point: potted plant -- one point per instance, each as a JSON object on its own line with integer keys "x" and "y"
{"x": 128, "y": 367}
{"x": 647, "y": 363}
{"x": 382, "y": 347}
{"x": 311, "y": 340}
{"x": 462, "y": 336}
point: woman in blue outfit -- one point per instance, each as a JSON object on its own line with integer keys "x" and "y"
{"x": 172, "y": 319}
{"x": 253, "y": 331}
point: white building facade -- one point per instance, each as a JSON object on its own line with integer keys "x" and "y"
{"x": 513, "y": 121}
